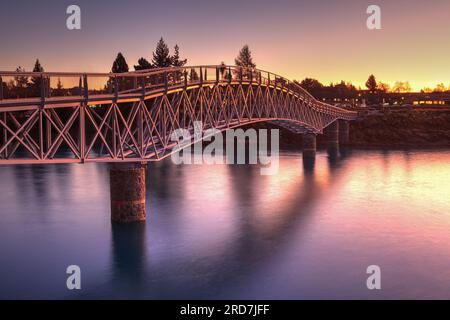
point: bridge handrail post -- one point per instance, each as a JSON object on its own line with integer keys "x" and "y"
{"x": 250, "y": 75}
{"x": 42, "y": 92}
{"x": 185, "y": 78}
{"x": 116, "y": 88}
{"x": 201, "y": 75}
{"x": 240, "y": 75}
{"x": 142, "y": 88}
{"x": 1, "y": 88}
{"x": 217, "y": 75}
{"x": 86, "y": 88}
{"x": 259, "y": 78}
{"x": 229, "y": 75}
{"x": 166, "y": 81}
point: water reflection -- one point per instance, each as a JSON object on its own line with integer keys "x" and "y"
{"x": 222, "y": 231}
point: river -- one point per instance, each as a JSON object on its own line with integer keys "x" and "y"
{"x": 227, "y": 232}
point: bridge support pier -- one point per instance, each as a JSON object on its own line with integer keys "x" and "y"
{"x": 309, "y": 146}
{"x": 332, "y": 139}
{"x": 127, "y": 187}
{"x": 344, "y": 132}
{"x": 332, "y": 135}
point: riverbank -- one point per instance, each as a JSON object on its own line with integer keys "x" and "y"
{"x": 414, "y": 128}
{"x": 410, "y": 128}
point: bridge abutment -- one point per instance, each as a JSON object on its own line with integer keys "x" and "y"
{"x": 127, "y": 187}
{"x": 309, "y": 146}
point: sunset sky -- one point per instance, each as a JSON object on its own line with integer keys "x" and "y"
{"x": 326, "y": 40}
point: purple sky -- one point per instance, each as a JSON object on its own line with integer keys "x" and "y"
{"x": 327, "y": 40}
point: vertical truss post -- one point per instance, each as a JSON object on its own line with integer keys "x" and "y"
{"x": 166, "y": 82}
{"x": 86, "y": 88}
{"x": 201, "y": 76}
{"x": 142, "y": 88}
{"x": 41, "y": 110}
{"x": 82, "y": 132}
{"x": 80, "y": 87}
{"x": 217, "y": 75}
{"x": 5, "y": 134}
{"x": 116, "y": 89}
{"x": 229, "y": 75}
{"x": 1, "y": 88}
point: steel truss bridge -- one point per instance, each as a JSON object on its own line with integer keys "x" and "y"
{"x": 105, "y": 117}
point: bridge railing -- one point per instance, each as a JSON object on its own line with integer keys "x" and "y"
{"x": 37, "y": 87}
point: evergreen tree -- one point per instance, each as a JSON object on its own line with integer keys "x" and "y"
{"x": 244, "y": 58}
{"x": 20, "y": 81}
{"x": 371, "y": 83}
{"x": 35, "y": 84}
{"x": 175, "y": 59}
{"x": 120, "y": 64}
{"x": 161, "y": 57}
{"x": 143, "y": 64}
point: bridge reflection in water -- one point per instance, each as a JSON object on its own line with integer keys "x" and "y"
{"x": 227, "y": 232}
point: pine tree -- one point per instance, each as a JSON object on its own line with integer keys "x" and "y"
{"x": 161, "y": 57}
{"x": 20, "y": 81}
{"x": 371, "y": 83}
{"x": 175, "y": 59}
{"x": 244, "y": 59}
{"x": 143, "y": 64}
{"x": 35, "y": 84}
{"x": 120, "y": 64}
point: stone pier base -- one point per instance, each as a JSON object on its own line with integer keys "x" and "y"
{"x": 127, "y": 187}
{"x": 344, "y": 132}
{"x": 332, "y": 135}
{"x": 309, "y": 146}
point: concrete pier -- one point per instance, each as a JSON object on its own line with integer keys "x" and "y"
{"x": 344, "y": 132}
{"x": 127, "y": 187}
{"x": 332, "y": 135}
{"x": 309, "y": 146}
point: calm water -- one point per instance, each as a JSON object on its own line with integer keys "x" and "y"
{"x": 228, "y": 232}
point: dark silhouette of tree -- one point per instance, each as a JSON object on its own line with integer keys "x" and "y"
{"x": 20, "y": 82}
{"x": 36, "y": 82}
{"x": 59, "y": 88}
{"x": 161, "y": 56}
{"x": 371, "y": 83}
{"x": 143, "y": 64}
{"x": 120, "y": 64}
{"x": 311, "y": 84}
{"x": 244, "y": 58}
{"x": 175, "y": 59}
{"x": 193, "y": 76}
